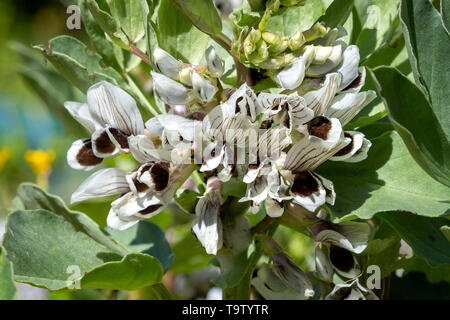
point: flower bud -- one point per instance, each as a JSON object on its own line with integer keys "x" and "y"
{"x": 297, "y": 41}
{"x": 170, "y": 91}
{"x": 215, "y": 64}
{"x": 317, "y": 31}
{"x": 166, "y": 64}
{"x": 203, "y": 88}
{"x": 250, "y": 41}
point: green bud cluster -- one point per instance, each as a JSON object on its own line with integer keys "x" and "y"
{"x": 274, "y": 51}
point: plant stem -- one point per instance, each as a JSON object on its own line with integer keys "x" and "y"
{"x": 137, "y": 52}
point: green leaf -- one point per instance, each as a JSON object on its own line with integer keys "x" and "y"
{"x": 288, "y": 21}
{"x": 384, "y": 254}
{"x": 69, "y": 56}
{"x": 44, "y": 246}
{"x": 178, "y": 36}
{"x": 422, "y": 234}
{"x": 128, "y": 14}
{"x": 234, "y": 187}
{"x": 388, "y": 180}
{"x": 186, "y": 199}
{"x": 379, "y": 22}
{"x": 428, "y": 45}
{"x": 203, "y": 14}
{"x": 102, "y": 45}
{"x": 31, "y": 197}
{"x": 445, "y": 13}
{"x": 7, "y": 287}
{"x": 413, "y": 117}
{"x": 101, "y": 12}
{"x": 134, "y": 271}
{"x": 189, "y": 254}
{"x": 337, "y": 13}
{"x": 145, "y": 237}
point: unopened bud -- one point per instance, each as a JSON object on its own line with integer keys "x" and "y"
{"x": 203, "y": 88}
{"x": 215, "y": 64}
{"x": 291, "y": 3}
{"x": 317, "y": 31}
{"x": 250, "y": 41}
{"x": 166, "y": 64}
{"x": 170, "y": 91}
{"x": 296, "y": 41}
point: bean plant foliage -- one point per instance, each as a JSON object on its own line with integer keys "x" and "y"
{"x": 329, "y": 118}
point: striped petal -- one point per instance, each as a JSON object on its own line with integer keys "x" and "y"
{"x": 103, "y": 183}
{"x": 346, "y": 106}
{"x": 114, "y": 107}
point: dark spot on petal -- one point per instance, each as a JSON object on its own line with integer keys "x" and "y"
{"x": 355, "y": 83}
{"x": 320, "y": 127}
{"x": 347, "y": 148}
{"x": 104, "y": 144}
{"x": 342, "y": 259}
{"x": 266, "y": 124}
{"x": 86, "y": 156}
{"x": 196, "y": 116}
{"x": 140, "y": 187}
{"x": 160, "y": 175}
{"x": 304, "y": 184}
{"x": 238, "y": 108}
{"x": 120, "y": 137}
{"x": 150, "y": 209}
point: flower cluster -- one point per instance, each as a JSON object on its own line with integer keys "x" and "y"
{"x": 272, "y": 142}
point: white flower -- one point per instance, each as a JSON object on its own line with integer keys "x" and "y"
{"x": 203, "y": 88}
{"x": 111, "y": 116}
{"x": 291, "y": 76}
{"x": 287, "y": 110}
{"x": 170, "y": 91}
{"x": 335, "y": 58}
{"x": 166, "y": 64}
{"x": 207, "y": 225}
{"x": 351, "y": 291}
{"x": 215, "y": 64}
{"x": 356, "y": 150}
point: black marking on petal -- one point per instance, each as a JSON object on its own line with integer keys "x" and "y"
{"x": 347, "y": 149}
{"x": 86, "y": 156}
{"x": 304, "y": 184}
{"x": 355, "y": 83}
{"x": 104, "y": 144}
{"x": 320, "y": 127}
{"x": 341, "y": 258}
{"x": 150, "y": 209}
{"x": 160, "y": 175}
{"x": 196, "y": 116}
{"x": 120, "y": 137}
{"x": 238, "y": 101}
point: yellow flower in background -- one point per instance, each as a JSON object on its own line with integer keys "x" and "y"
{"x": 40, "y": 161}
{"x": 5, "y": 154}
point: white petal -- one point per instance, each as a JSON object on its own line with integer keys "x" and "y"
{"x": 324, "y": 269}
{"x": 274, "y": 208}
{"x": 215, "y": 65}
{"x": 80, "y": 156}
{"x": 362, "y": 153}
{"x": 81, "y": 113}
{"x": 346, "y": 106}
{"x": 317, "y": 70}
{"x": 318, "y": 100}
{"x": 291, "y": 76}
{"x": 203, "y": 88}
{"x": 308, "y": 191}
{"x": 349, "y": 66}
{"x": 115, "y": 222}
{"x": 143, "y": 150}
{"x": 212, "y": 156}
{"x": 349, "y": 150}
{"x": 357, "y": 234}
{"x": 167, "y": 64}
{"x": 257, "y": 191}
{"x": 184, "y": 126}
{"x": 329, "y": 189}
{"x": 356, "y": 85}
{"x": 113, "y": 106}
{"x": 245, "y": 102}
{"x": 311, "y": 151}
{"x": 103, "y": 183}
{"x": 170, "y": 91}
{"x": 207, "y": 225}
